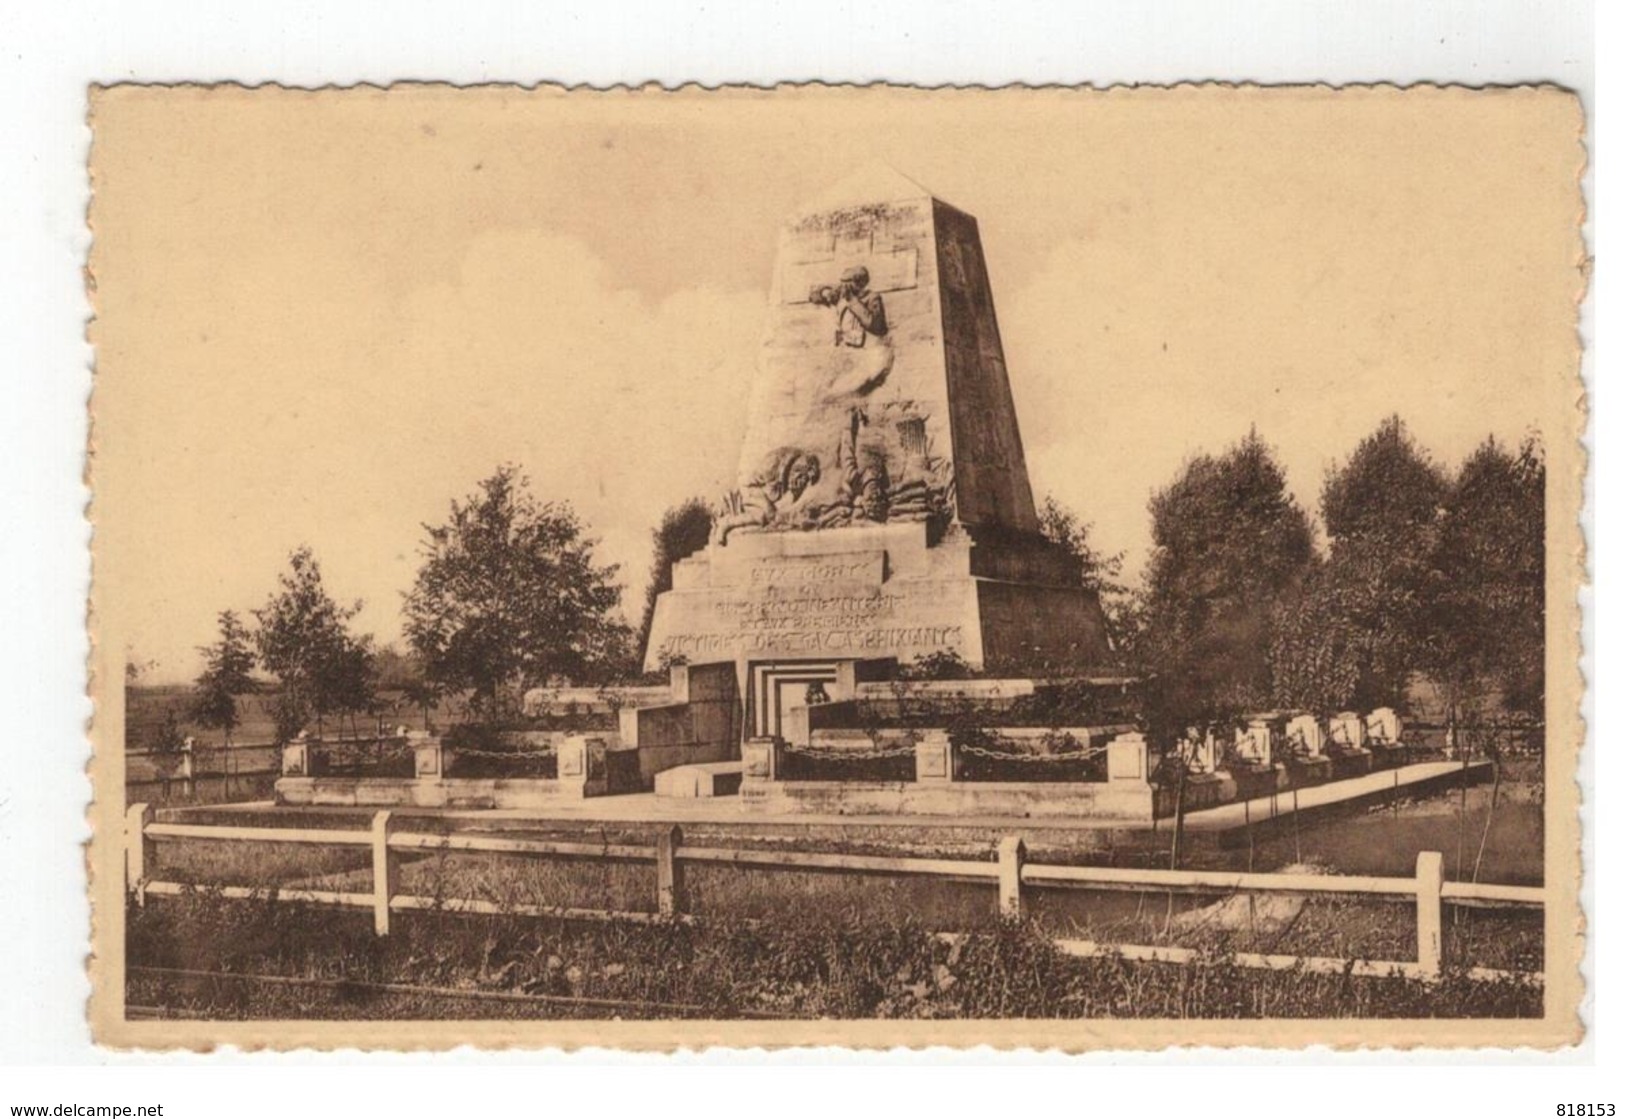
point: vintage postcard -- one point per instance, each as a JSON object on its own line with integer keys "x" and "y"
{"x": 871, "y": 567}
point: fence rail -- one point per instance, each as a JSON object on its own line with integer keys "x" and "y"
{"x": 1009, "y": 871}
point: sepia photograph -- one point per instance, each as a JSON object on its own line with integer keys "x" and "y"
{"x": 854, "y": 565}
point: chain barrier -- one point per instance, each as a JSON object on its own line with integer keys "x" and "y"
{"x": 842, "y": 754}
{"x": 1079, "y": 755}
{"x": 544, "y": 752}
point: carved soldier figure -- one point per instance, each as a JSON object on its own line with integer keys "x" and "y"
{"x": 786, "y": 473}
{"x": 863, "y": 312}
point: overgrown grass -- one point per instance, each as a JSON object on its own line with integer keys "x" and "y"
{"x": 793, "y": 943}
{"x": 812, "y": 963}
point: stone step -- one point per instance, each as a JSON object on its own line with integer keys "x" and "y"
{"x": 703, "y": 779}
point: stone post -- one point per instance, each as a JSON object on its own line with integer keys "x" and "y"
{"x": 761, "y": 759}
{"x": 669, "y": 872}
{"x": 140, "y": 852}
{"x": 1012, "y": 854}
{"x": 583, "y": 770}
{"x": 933, "y": 758}
{"x": 1127, "y": 758}
{"x": 1429, "y": 918}
{"x": 430, "y": 759}
{"x": 296, "y": 757}
{"x": 385, "y": 873}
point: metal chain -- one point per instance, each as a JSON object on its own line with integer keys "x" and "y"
{"x": 1009, "y": 756}
{"x": 544, "y": 752}
{"x": 842, "y": 754}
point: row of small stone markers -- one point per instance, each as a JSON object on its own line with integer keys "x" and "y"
{"x": 1304, "y": 736}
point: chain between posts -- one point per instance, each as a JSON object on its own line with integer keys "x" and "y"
{"x": 842, "y": 754}
{"x": 1012, "y": 756}
{"x": 544, "y": 752}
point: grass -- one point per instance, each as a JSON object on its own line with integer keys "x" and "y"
{"x": 787, "y": 943}
{"x": 806, "y": 964}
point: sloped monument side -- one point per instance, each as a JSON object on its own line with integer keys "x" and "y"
{"x": 882, "y": 507}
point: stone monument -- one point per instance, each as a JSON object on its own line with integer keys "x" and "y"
{"x": 882, "y": 508}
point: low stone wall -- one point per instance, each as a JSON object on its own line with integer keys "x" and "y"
{"x": 774, "y": 779}
{"x": 1130, "y": 803}
{"x": 454, "y": 792}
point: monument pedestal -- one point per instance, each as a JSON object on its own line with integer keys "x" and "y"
{"x": 879, "y": 592}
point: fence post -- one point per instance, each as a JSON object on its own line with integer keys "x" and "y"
{"x": 140, "y": 853}
{"x": 384, "y": 873}
{"x": 668, "y": 873}
{"x": 188, "y": 768}
{"x": 1429, "y": 923}
{"x": 1012, "y": 853}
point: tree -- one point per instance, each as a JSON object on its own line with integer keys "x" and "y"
{"x": 1228, "y": 543}
{"x": 1313, "y": 656}
{"x": 1382, "y": 511}
{"x": 1490, "y": 614}
{"x": 683, "y": 530}
{"x": 304, "y": 640}
{"x": 422, "y": 694}
{"x": 228, "y": 665}
{"x": 1097, "y": 571}
{"x": 509, "y": 595}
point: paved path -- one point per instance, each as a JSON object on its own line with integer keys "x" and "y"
{"x": 1236, "y": 814}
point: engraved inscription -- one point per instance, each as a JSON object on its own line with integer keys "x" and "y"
{"x": 787, "y": 571}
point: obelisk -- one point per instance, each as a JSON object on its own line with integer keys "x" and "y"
{"x": 882, "y": 508}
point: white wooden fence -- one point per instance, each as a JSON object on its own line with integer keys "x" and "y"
{"x": 1010, "y": 871}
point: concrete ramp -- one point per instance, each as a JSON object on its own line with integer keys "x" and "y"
{"x": 703, "y": 779}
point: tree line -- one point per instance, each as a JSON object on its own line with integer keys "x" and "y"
{"x": 1422, "y": 573}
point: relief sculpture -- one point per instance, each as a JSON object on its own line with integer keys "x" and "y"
{"x": 863, "y": 352}
{"x": 882, "y": 469}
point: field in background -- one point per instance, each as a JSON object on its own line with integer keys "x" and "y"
{"x": 145, "y": 706}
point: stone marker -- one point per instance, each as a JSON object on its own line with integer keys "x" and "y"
{"x": 882, "y": 507}
{"x": 1382, "y": 727}
{"x": 1303, "y": 733}
{"x": 1348, "y": 730}
{"x": 1254, "y": 743}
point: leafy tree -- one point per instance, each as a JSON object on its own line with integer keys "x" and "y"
{"x": 228, "y": 665}
{"x": 393, "y": 669}
{"x": 509, "y": 595}
{"x": 289, "y": 714}
{"x": 1491, "y": 556}
{"x": 1229, "y": 543}
{"x": 683, "y": 530}
{"x": 423, "y": 694}
{"x": 1382, "y": 511}
{"x": 1314, "y": 646}
{"x": 303, "y": 639}
{"x": 1098, "y": 571}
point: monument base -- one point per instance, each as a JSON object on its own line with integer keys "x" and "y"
{"x": 880, "y": 591}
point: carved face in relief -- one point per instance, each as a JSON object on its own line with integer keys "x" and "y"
{"x": 872, "y": 503}
{"x": 802, "y": 473}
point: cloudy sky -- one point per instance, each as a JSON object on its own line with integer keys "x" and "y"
{"x": 321, "y": 317}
